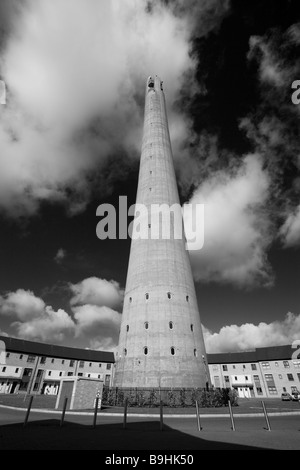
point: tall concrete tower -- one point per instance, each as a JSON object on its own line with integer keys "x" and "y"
{"x": 161, "y": 340}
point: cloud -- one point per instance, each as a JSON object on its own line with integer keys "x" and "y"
{"x": 236, "y": 228}
{"x": 99, "y": 292}
{"x": 93, "y": 314}
{"x": 290, "y": 230}
{"x": 60, "y": 255}
{"x": 102, "y": 324}
{"x": 21, "y": 304}
{"x": 249, "y": 336}
{"x": 76, "y": 75}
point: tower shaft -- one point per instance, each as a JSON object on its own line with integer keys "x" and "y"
{"x": 161, "y": 341}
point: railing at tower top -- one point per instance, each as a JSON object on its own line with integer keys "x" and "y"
{"x": 171, "y": 397}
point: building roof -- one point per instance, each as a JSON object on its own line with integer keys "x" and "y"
{"x": 51, "y": 350}
{"x": 271, "y": 353}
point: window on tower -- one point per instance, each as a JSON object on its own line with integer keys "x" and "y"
{"x": 169, "y": 295}
{"x": 192, "y": 327}
{"x": 147, "y": 296}
{"x": 172, "y": 350}
{"x": 187, "y": 298}
{"x": 130, "y": 299}
{"x": 127, "y": 327}
{"x": 195, "y": 352}
{"x": 146, "y": 325}
{"x": 145, "y": 350}
{"x": 125, "y": 352}
{"x": 171, "y": 325}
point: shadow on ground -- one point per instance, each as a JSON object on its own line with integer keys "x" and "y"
{"x": 144, "y": 435}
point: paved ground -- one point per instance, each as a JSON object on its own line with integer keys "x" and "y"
{"x": 43, "y": 432}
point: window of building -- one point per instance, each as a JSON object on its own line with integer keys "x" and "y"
{"x": 147, "y": 296}
{"x": 265, "y": 365}
{"x": 80, "y": 374}
{"x": 246, "y": 377}
{"x": 36, "y": 386}
{"x": 90, "y": 364}
{"x": 31, "y": 358}
{"x": 89, "y": 375}
{"x": 192, "y": 327}
{"x": 269, "y": 377}
{"x": 233, "y": 366}
{"x": 27, "y": 372}
{"x": 195, "y": 352}
{"x": 173, "y": 351}
{"x": 171, "y": 325}
{"x": 284, "y": 389}
{"x": 130, "y": 299}
{"x": 235, "y": 377}
{"x": 272, "y": 390}
{"x": 60, "y": 374}
{"x": 169, "y": 295}
{"x": 99, "y": 376}
{"x": 280, "y": 376}
{"x": 294, "y": 389}
{"x": 70, "y": 374}
{"x": 150, "y": 172}
{"x": 296, "y": 364}
{"x": 215, "y": 367}
{"x": 81, "y": 363}
{"x": 226, "y": 378}
{"x": 276, "y": 364}
{"x": 125, "y": 352}
{"x": 52, "y": 361}
{"x": 108, "y": 366}
{"x": 244, "y": 367}
{"x": 72, "y": 362}
{"x": 43, "y": 360}
{"x": 21, "y": 356}
{"x": 286, "y": 364}
{"x": 146, "y": 324}
{"x": 62, "y": 361}
{"x": 259, "y": 390}
{"x": 253, "y": 366}
{"x": 225, "y": 368}
{"x": 127, "y": 327}
{"x": 145, "y": 350}
{"x": 100, "y": 365}
{"x": 23, "y": 386}
{"x": 7, "y": 354}
{"x": 3, "y": 369}
{"x": 290, "y": 377}
{"x": 39, "y": 372}
{"x": 17, "y": 370}
{"x": 107, "y": 379}
{"x": 49, "y": 373}
{"x": 187, "y": 298}
{"x": 298, "y": 374}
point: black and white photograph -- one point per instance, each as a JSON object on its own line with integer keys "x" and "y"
{"x": 150, "y": 228}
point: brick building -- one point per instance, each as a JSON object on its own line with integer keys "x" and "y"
{"x": 30, "y": 367}
{"x": 262, "y": 372}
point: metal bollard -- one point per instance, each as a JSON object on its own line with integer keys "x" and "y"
{"x": 266, "y": 416}
{"x": 63, "y": 412}
{"x": 198, "y": 417}
{"x": 231, "y": 416}
{"x": 28, "y": 410}
{"x": 95, "y": 412}
{"x": 125, "y": 413}
{"x": 161, "y": 416}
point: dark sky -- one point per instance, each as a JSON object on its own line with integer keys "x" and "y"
{"x": 241, "y": 106}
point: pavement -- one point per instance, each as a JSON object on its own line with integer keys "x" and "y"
{"x": 144, "y": 434}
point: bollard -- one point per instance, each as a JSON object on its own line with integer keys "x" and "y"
{"x": 266, "y": 416}
{"x": 125, "y": 413}
{"x": 28, "y": 411}
{"x": 161, "y": 416}
{"x": 64, "y": 411}
{"x": 231, "y": 416}
{"x": 198, "y": 417}
{"x": 95, "y": 412}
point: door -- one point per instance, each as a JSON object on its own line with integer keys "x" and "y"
{"x": 66, "y": 391}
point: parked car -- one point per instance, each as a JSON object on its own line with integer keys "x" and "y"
{"x": 295, "y": 396}
{"x": 286, "y": 396}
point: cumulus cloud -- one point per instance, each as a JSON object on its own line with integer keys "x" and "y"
{"x": 100, "y": 323}
{"x": 274, "y": 126}
{"x": 236, "y": 229}
{"x": 22, "y": 304}
{"x": 249, "y": 336}
{"x": 94, "y": 316}
{"x": 76, "y": 75}
{"x": 290, "y": 230}
{"x": 99, "y": 292}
